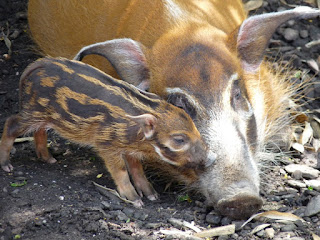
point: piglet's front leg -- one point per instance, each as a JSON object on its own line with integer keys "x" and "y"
{"x": 118, "y": 170}
{"x": 142, "y": 185}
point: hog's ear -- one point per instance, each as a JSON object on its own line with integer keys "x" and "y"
{"x": 126, "y": 56}
{"x": 147, "y": 123}
{"x": 255, "y": 32}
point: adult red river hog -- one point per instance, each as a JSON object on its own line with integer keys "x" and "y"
{"x": 203, "y": 56}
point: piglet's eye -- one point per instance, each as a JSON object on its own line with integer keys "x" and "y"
{"x": 179, "y": 140}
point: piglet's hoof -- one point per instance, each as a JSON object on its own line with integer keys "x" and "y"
{"x": 153, "y": 197}
{"x": 138, "y": 203}
{"x": 7, "y": 168}
{"x": 50, "y": 160}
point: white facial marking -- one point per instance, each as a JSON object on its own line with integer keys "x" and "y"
{"x": 227, "y": 130}
{"x": 158, "y": 151}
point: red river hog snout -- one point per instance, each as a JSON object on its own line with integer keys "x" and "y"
{"x": 205, "y": 57}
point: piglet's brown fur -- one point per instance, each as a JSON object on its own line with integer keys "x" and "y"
{"x": 124, "y": 125}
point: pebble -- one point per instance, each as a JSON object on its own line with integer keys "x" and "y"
{"x": 140, "y": 215}
{"x": 128, "y": 211}
{"x": 21, "y": 15}
{"x": 15, "y": 34}
{"x": 223, "y": 237}
{"x": 314, "y": 219}
{"x": 15, "y": 193}
{"x": 119, "y": 215}
{"x": 299, "y": 224}
{"x": 297, "y": 175}
{"x": 290, "y": 34}
{"x": 304, "y": 33}
{"x": 225, "y": 221}
{"x": 296, "y": 184}
{"x": 153, "y": 225}
{"x": 291, "y": 23}
{"x": 238, "y": 224}
{"x": 313, "y": 206}
{"x": 213, "y": 219}
{"x": 288, "y": 228}
{"x": 315, "y": 184}
{"x": 307, "y": 172}
{"x": 269, "y": 233}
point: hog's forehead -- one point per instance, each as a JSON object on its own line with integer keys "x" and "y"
{"x": 203, "y": 71}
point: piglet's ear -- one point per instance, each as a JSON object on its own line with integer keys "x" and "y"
{"x": 147, "y": 123}
{"x": 126, "y": 56}
{"x": 255, "y": 33}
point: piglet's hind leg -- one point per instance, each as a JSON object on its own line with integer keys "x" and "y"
{"x": 12, "y": 129}
{"x": 40, "y": 138}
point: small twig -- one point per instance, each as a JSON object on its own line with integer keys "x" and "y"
{"x": 218, "y": 231}
{"x": 7, "y": 40}
{"x": 179, "y": 234}
{"x": 181, "y": 223}
{"x": 312, "y": 43}
{"x": 24, "y": 139}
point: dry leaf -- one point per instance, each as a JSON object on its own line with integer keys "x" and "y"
{"x": 105, "y": 190}
{"x": 297, "y": 146}
{"x": 315, "y": 237}
{"x": 315, "y": 118}
{"x": 311, "y": 2}
{"x": 316, "y": 128}
{"x": 316, "y": 144}
{"x": 307, "y": 134}
{"x": 253, "y": 4}
{"x": 313, "y": 65}
{"x": 99, "y": 175}
{"x": 259, "y": 228}
{"x": 301, "y": 118}
{"x": 181, "y": 223}
{"x": 290, "y": 5}
{"x": 218, "y": 231}
{"x": 274, "y": 215}
{"x": 295, "y": 136}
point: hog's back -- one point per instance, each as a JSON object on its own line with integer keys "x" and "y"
{"x": 62, "y": 28}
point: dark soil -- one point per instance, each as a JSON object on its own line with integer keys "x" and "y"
{"x": 59, "y": 201}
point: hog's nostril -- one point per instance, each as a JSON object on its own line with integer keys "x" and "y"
{"x": 240, "y": 206}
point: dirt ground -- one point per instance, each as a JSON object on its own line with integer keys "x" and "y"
{"x": 60, "y": 201}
